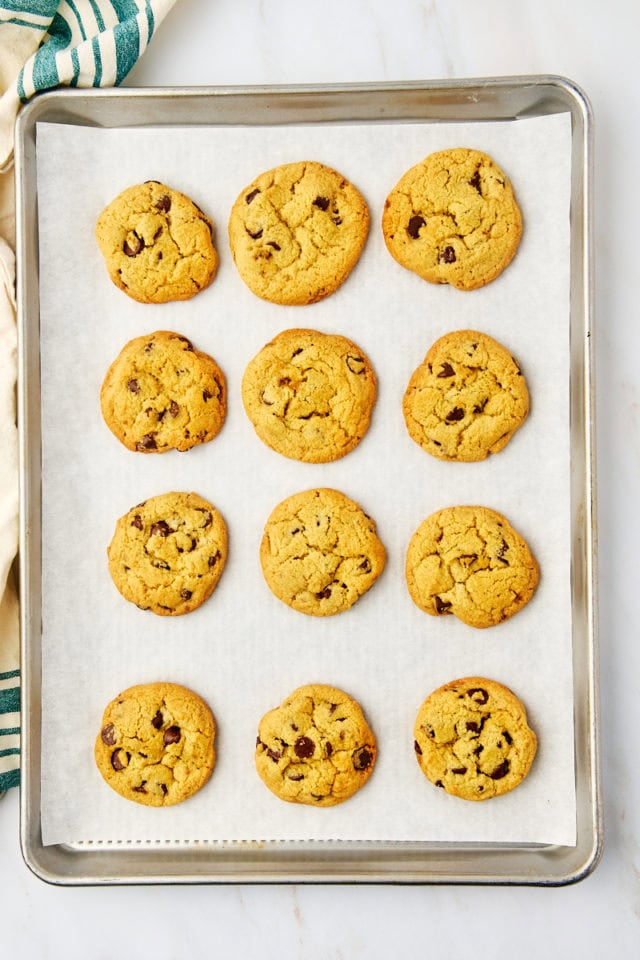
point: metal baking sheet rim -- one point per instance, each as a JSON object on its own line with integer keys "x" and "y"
{"x": 505, "y": 98}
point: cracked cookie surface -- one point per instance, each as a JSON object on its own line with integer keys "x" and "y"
{"x": 156, "y": 744}
{"x": 316, "y": 748}
{"x": 168, "y": 553}
{"x": 309, "y": 395}
{"x": 297, "y": 231}
{"x": 157, "y": 244}
{"x": 160, "y": 394}
{"x": 470, "y": 562}
{"x": 472, "y": 739}
{"x": 466, "y": 399}
{"x": 320, "y": 552}
{"x": 453, "y": 218}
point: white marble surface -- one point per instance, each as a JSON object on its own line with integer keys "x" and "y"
{"x": 247, "y": 41}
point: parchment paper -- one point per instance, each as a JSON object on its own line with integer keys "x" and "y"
{"x": 244, "y": 651}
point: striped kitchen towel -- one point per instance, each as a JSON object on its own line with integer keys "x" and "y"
{"x": 43, "y": 44}
{"x": 79, "y": 43}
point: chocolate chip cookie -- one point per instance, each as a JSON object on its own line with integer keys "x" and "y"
{"x": 309, "y": 395}
{"x": 160, "y": 394}
{"x": 320, "y": 552}
{"x": 453, "y": 218}
{"x": 168, "y": 553}
{"x": 466, "y": 399}
{"x": 157, "y": 244}
{"x": 316, "y": 748}
{"x": 473, "y": 740}
{"x": 469, "y": 561}
{"x": 297, "y": 231}
{"x": 156, "y": 744}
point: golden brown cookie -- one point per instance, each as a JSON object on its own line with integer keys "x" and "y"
{"x": 157, "y": 244}
{"x": 156, "y": 744}
{"x": 168, "y": 553}
{"x": 320, "y": 552}
{"x": 160, "y": 394}
{"x": 469, "y": 561}
{"x": 297, "y": 231}
{"x": 473, "y": 740}
{"x": 309, "y": 395}
{"x": 466, "y": 399}
{"x": 453, "y": 218}
{"x": 316, "y": 748}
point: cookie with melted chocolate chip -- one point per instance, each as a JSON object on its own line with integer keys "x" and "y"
{"x": 466, "y": 399}
{"x": 470, "y": 562}
{"x": 156, "y": 744}
{"x": 168, "y": 553}
{"x": 157, "y": 244}
{"x": 316, "y": 747}
{"x": 309, "y": 395}
{"x": 453, "y": 218}
{"x": 160, "y": 394}
{"x": 473, "y": 740}
{"x": 297, "y": 231}
{"x": 320, "y": 552}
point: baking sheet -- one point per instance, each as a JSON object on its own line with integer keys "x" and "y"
{"x": 243, "y": 650}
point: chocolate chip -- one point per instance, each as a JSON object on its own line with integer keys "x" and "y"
{"x": 336, "y": 220}
{"x": 294, "y": 727}
{"x": 272, "y": 243}
{"x": 157, "y": 721}
{"x": 161, "y": 528}
{"x": 504, "y": 546}
{"x": 296, "y": 352}
{"x": 446, "y": 370}
{"x": 161, "y": 565}
{"x": 500, "y": 771}
{"x": 209, "y": 518}
{"x": 164, "y": 788}
{"x": 507, "y": 737}
{"x": 189, "y": 345}
{"x": 458, "y": 769}
{"x": 148, "y": 442}
{"x": 304, "y": 747}
{"x": 108, "y": 735}
{"x": 141, "y": 788}
{"x": 473, "y": 726}
{"x": 133, "y": 386}
{"x": 174, "y": 409}
{"x": 328, "y": 749}
{"x": 355, "y": 364}
{"x": 251, "y": 196}
{"x": 482, "y": 695}
{"x": 439, "y": 783}
{"x": 454, "y": 415}
{"x": 365, "y": 565}
{"x": 448, "y": 255}
{"x": 478, "y": 750}
{"x": 164, "y": 204}
{"x": 133, "y": 248}
{"x": 171, "y": 735}
{"x": 212, "y": 561}
{"x": 479, "y": 407}
{"x": 416, "y": 747}
{"x": 256, "y": 235}
{"x": 206, "y": 395}
{"x": 296, "y": 776}
{"x": 324, "y": 594}
{"x": 414, "y": 225}
{"x": 137, "y": 521}
{"x": 362, "y": 759}
{"x": 475, "y": 182}
{"x": 274, "y": 754}
{"x": 186, "y": 594}
{"x": 322, "y": 203}
{"x": 117, "y": 759}
{"x": 442, "y": 606}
